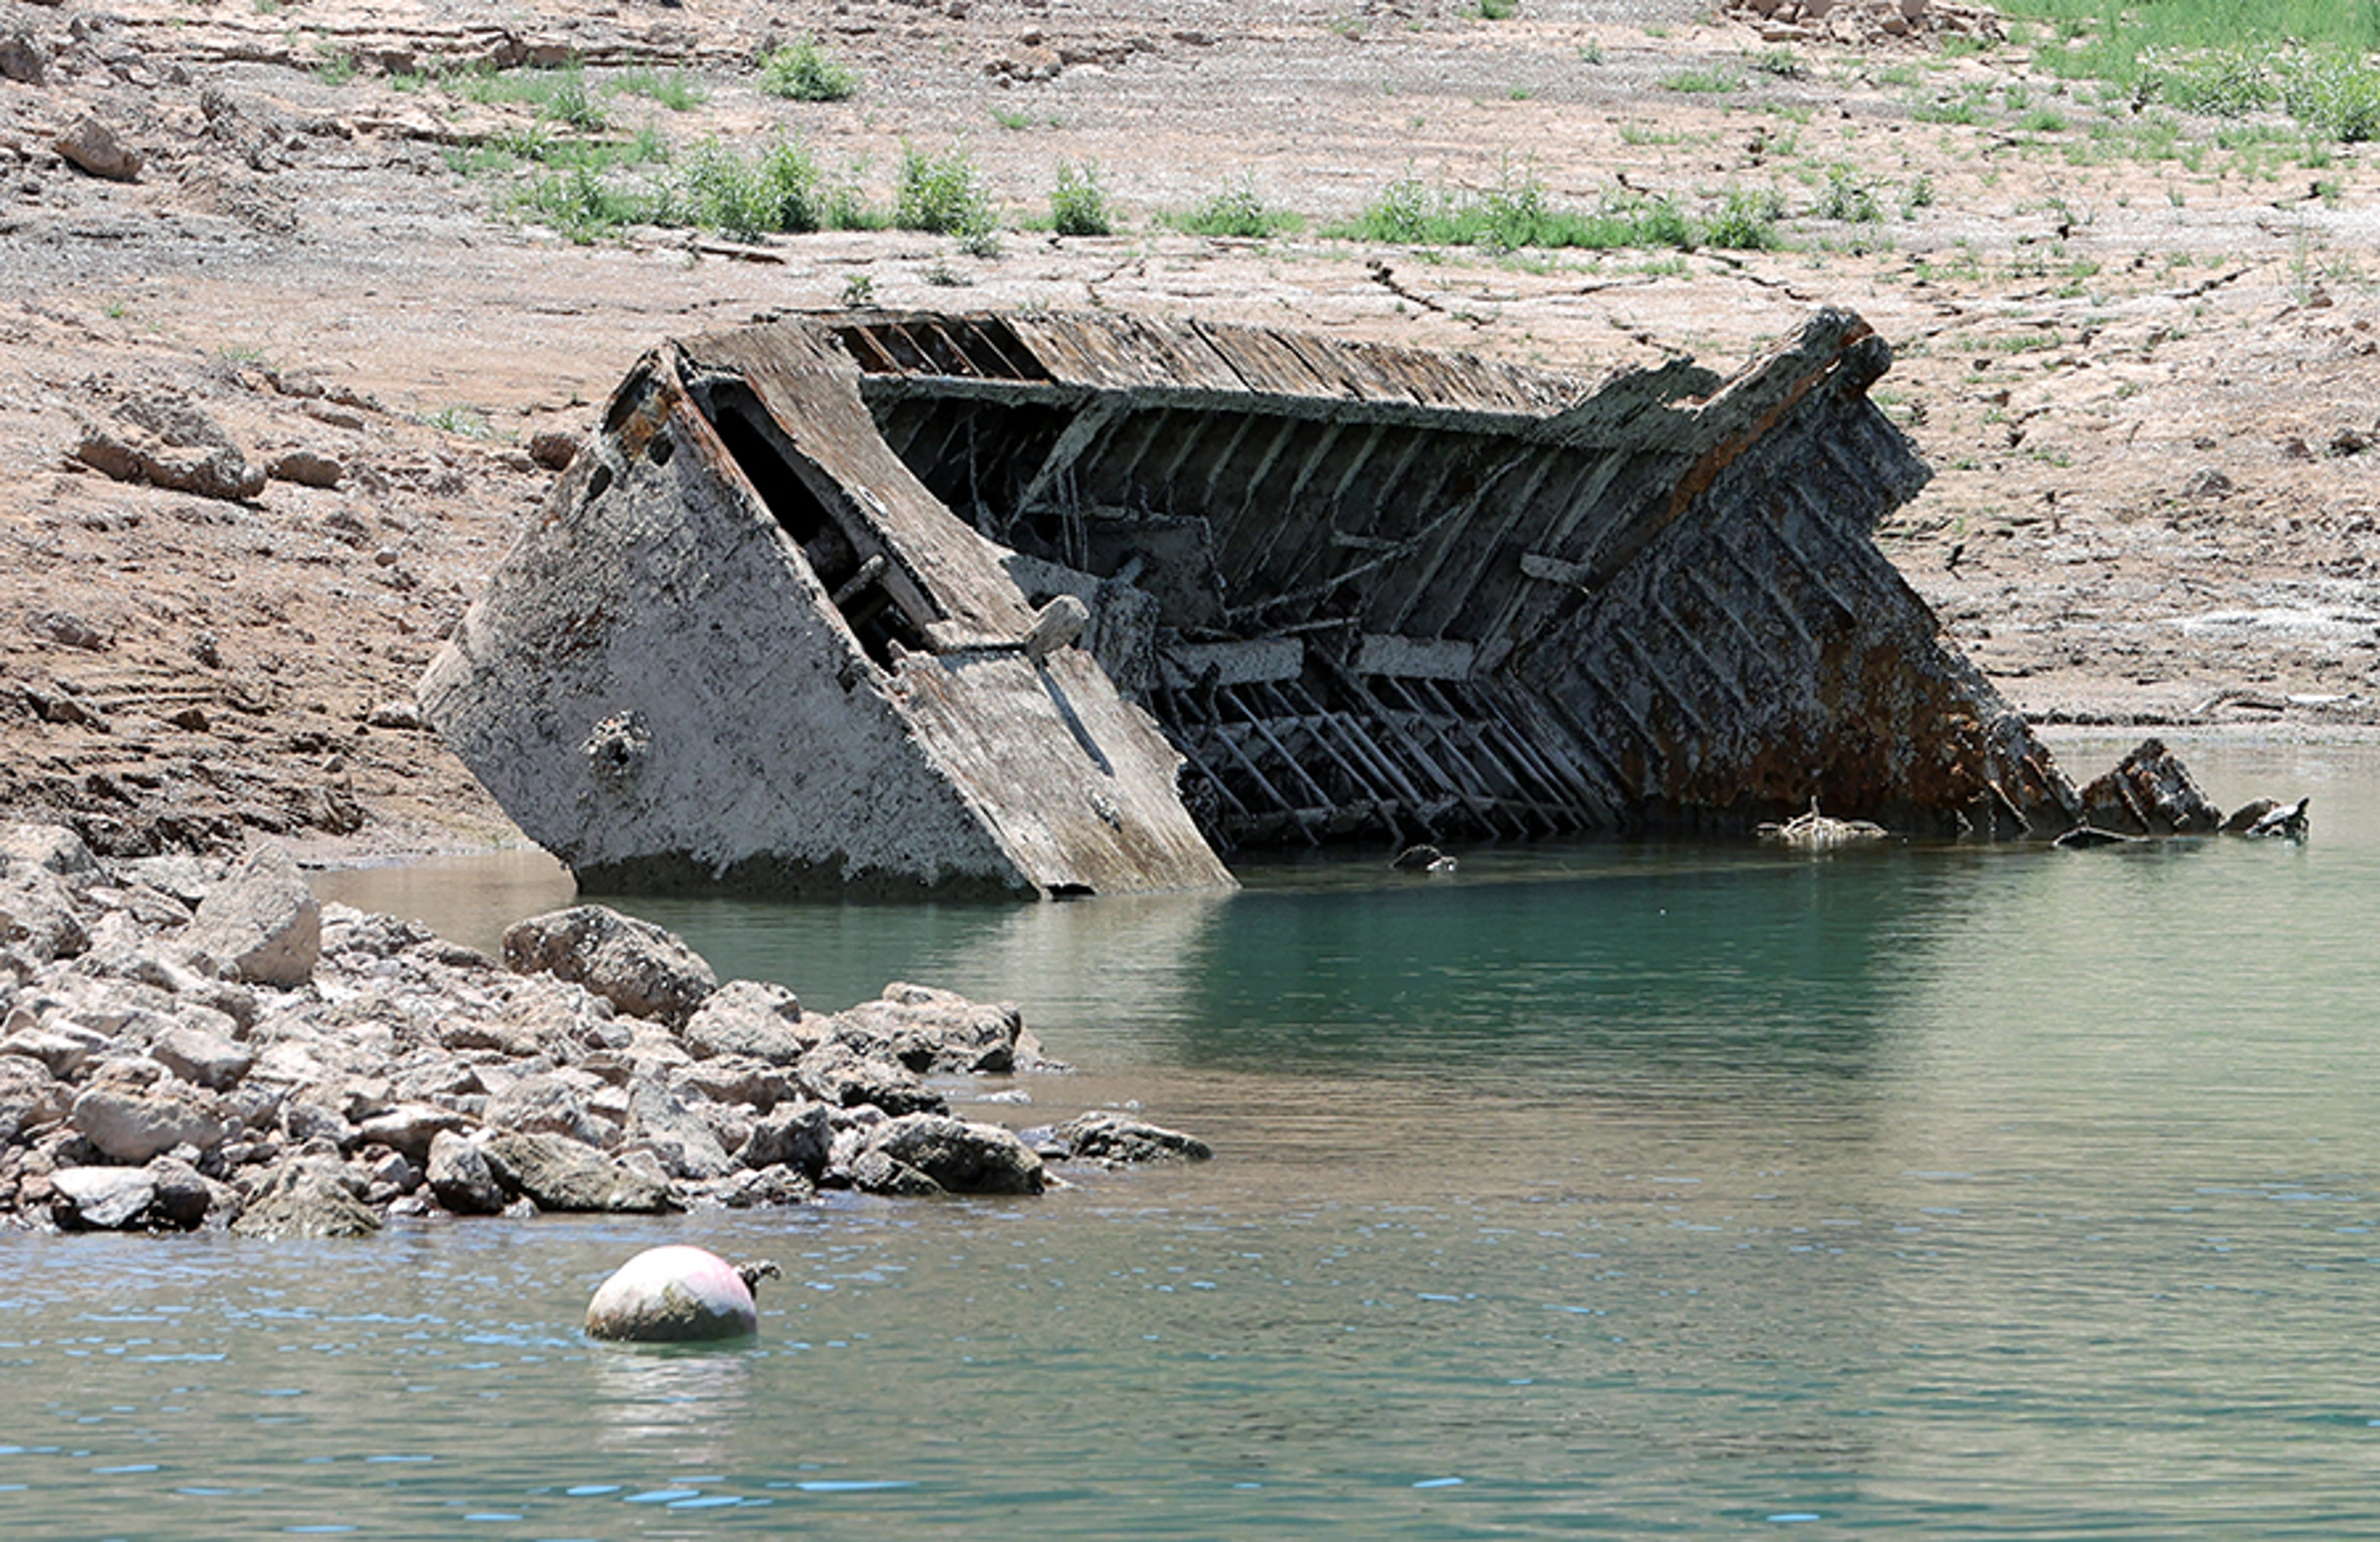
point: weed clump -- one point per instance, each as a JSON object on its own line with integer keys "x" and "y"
{"x": 804, "y": 72}
{"x": 1237, "y": 211}
{"x": 1078, "y": 205}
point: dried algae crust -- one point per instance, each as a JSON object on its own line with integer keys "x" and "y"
{"x": 1065, "y": 604}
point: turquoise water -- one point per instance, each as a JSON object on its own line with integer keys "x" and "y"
{"x": 1622, "y": 1190}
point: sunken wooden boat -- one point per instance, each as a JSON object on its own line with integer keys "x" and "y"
{"x": 1033, "y": 604}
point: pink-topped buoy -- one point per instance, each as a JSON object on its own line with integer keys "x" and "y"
{"x": 677, "y": 1294}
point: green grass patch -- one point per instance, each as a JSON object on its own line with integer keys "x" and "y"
{"x": 1238, "y": 211}
{"x": 804, "y": 72}
{"x": 1718, "y": 83}
{"x": 1518, "y": 213}
{"x": 677, "y": 90}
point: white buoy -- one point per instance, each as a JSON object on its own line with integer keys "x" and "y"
{"x": 676, "y": 1294}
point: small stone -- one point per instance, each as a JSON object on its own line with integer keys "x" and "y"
{"x": 553, "y": 448}
{"x": 67, "y": 630}
{"x": 306, "y": 469}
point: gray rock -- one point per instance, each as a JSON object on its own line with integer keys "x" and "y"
{"x": 101, "y": 1198}
{"x": 260, "y": 923}
{"x": 184, "y": 1195}
{"x": 309, "y": 1197}
{"x": 92, "y": 146}
{"x": 546, "y": 1104}
{"x": 837, "y": 1074}
{"x": 30, "y": 1098}
{"x": 638, "y": 968}
{"x": 63, "y": 1049}
{"x": 459, "y": 1176}
{"x": 53, "y": 847}
{"x": 23, "y": 57}
{"x": 39, "y": 914}
{"x": 218, "y": 472}
{"x": 745, "y": 1083}
{"x": 926, "y": 1030}
{"x": 874, "y": 1171}
{"x": 659, "y": 1122}
{"x": 132, "y": 1124}
{"x": 1100, "y": 1136}
{"x": 305, "y": 468}
{"x": 755, "y": 1020}
{"x": 410, "y": 1129}
{"x": 961, "y": 1157}
{"x": 558, "y": 1173}
{"x": 203, "y": 1057}
{"x": 306, "y": 1121}
{"x": 799, "y": 1137}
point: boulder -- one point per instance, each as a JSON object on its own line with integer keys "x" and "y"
{"x": 62, "y": 1049}
{"x": 837, "y": 1074}
{"x": 409, "y": 1129}
{"x": 961, "y": 1157}
{"x": 100, "y": 1198}
{"x": 260, "y": 923}
{"x": 309, "y": 1197}
{"x": 557, "y": 1173}
{"x": 132, "y": 1124}
{"x": 636, "y": 965}
{"x": 675, "y": 1294}
{"x": 203, "y": 1057}
{"x": 38, "y": 914}
{"x": 52, "y": 847}
{"x": 1100, "y": 1136}
{"x": 184, "y": 1197}
{"x": 659, "y": 1122}
{"x": 926, "y": 1030}
{"x": 754, "y": 1020}
{"x": 548, "y": 1104}
{"x": 90, "y": 145}
{"x": 873, "y": 1172}
{"x": 30, "y": 1098}
{"x": 459, "y": 1176}
{"x": 801, "y": 1137}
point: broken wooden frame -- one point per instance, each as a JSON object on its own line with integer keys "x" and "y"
{"x": 1361, "y": 592}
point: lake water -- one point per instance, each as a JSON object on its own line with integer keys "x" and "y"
{"x": 1619, "y": 1190}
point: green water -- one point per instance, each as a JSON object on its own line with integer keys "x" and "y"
{"x": 1955, "y": 1192}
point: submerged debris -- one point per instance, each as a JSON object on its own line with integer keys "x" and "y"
{"x": 2266, "y": 819}
{"x": 1059, "y": 604}
{"x": 1815, "y": 832}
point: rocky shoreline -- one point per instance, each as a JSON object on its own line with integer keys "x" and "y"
{"x": 189, "y": 1043}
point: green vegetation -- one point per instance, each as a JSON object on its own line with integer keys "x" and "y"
{"x": 778, "y": 192}
{"x": 677, "y": 90}
{"x": 1494, "y": 11}
{"x": 1078, "y": 205}
{"x": 2311, "y": 58}
{"x": 804, "y": 72}
{"x": 1518, "y": 213}
{"x": 1237, "y": 211}
{"x": 1849, "y": 197}
{"x": 1703, "y": 81}
{"x": 943, "y": 194}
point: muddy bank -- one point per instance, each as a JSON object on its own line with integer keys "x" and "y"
{"x": 186, "y": 1043}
